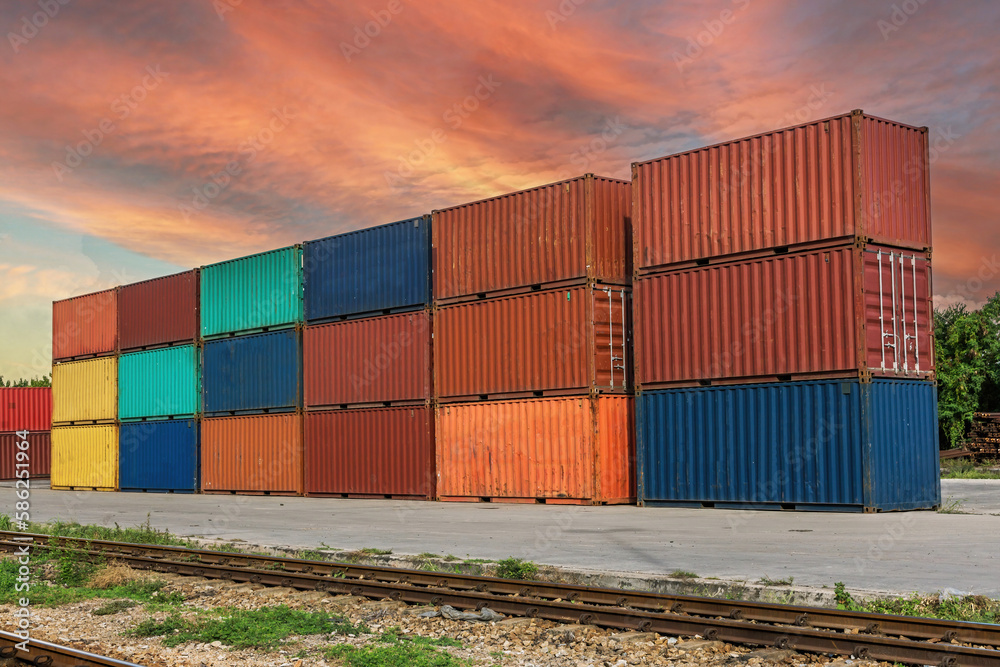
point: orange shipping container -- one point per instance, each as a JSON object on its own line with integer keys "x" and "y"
{"x": 85, "y": 326}
{"x": 568, "y": 450}
{"x": 261, "y": 454}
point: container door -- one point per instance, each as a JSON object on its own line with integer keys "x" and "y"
{"x": 898, "y": 312}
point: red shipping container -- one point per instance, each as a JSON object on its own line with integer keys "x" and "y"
{"x": 374, "y": 360}
{"x": 158, "y": 312}
{"x": 38, "y": 454}
{"x": 566, "y": 232}
{"x": 85, "y": 326}
{"x": 373, "y": 452}
{"x": 845, "y": 312}
{"x": 563, "y": 341}
{"x": 841, "y": 179}
{"x": 256, "y": 455}
{"x": 25, "y": 408}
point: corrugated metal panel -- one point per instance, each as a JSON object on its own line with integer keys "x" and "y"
{"x": 85, "y": 391}
{"x": 258, "y": 454}
{"x": 551, "y": 448}
{"x": 367, "y": 361}
{"x": 567, "y": 339}
{"x": 379, "y": 451}
{"x": 85, "y": 457}
{"x": 25, "y": 408}
{"x": 899, "y": 317}
{"x": 37, "y": 456}
{"x": 573, "y": 229}
{"x": 252, "y": 293}
{"x": 159, "y": 383}
{"x": 159, "y": 311}
{"x": 793, "y": 186}
{"x": 794, "y": 443}
{"x": 369, "y": 270}
{"x": 85, "y": 326}
{"x": 259, "y": 372}
{"x": 159, "y": 455}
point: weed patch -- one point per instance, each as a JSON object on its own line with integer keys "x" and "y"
{"x": 975, "y": 608}
{"x": 404, "y": 654}
{"x": 515, "y": 568}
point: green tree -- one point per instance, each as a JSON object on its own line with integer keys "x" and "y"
{"x": 44, "y": 381}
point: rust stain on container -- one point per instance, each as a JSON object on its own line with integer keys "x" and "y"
{"x": 563, "y": 340}
{"x": 85, "y": 326}
{"x": 260, "y": 454}
{"x": 571, "y": 230}
{"x": 372, "y": 452}
{"x": 803, "y": 315}
{"x": 25, "y": 408}
{"x": 374, "y": 360}
{"x": 849, "y": 177}
{"x": 576, "y": 449}
{"x": 37, "y": 455}
{"x": 159, "y": 312}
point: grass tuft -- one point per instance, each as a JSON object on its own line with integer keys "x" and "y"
{"x": 515, "y": 568}
{"x": 974, "y": 608}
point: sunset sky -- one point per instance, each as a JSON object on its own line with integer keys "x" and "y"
{"x": 139, "y": 139}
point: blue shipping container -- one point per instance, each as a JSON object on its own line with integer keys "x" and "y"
{"x": 252, "y": 374}
{"x": 159, "y": 456}
{"x": 825, "y": 445}
{"x": 375, "y": 270}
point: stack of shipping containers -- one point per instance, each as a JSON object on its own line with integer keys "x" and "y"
{"x": 251, "y": 330}
{"x": 369, "y": 426}
{"x": 531, "y": 345}
{"x": 25, "y": 416}
{"x": 85, "y": 392}
{"x": 159, "y": 384}
{"x": 784, "y": 345}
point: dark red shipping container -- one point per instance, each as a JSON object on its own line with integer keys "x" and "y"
{"x": 374, "y": 360}
{"x": 38, "y": 454}
{"x": 848, "y": 178}
{"x": 557, "y": 342}
{"x": 158, "y": 312}
{"x": 567, "y": 232}
{"x": 844, "y": 312}
{"x": 371, "y": 452}
{"x": 85, "y": 326}
{"x": 25, "y": 408}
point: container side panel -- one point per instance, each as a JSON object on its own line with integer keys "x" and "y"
{"x": 252, "y": 372}
{"x": 159, "y": 455}
{"x": 158, "y": 383}
{"x": 252, "y": 454}
{"x": 898, "y": 312}
{"x": 85, "y": 325}
{"x": 85, "y": 390}
{"x": 25, "y": 408}
{"x": 615, "y": 462}
{"x": 38, "y": 455}
{"x": 85, "y": 456}
{"x": 612, "y": 233}
{"x": 159, "y": 311}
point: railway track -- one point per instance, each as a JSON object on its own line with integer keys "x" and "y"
{"x": 45, "y": 654}
{"x": 864, "y": 635}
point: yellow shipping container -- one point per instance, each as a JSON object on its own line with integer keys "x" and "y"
{"x": 85, "y": 391}
{"x": 85, "y": 457}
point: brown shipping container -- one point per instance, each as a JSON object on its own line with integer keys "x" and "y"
{"x": 25, "y": 408}
{"x": 255, "y": 455}
{"x": 158, "y": 312}
{"x": 559, "y": 341}
{"x": 846, "y": 178}
{"x": 372, "y": 452}
{"x": 85, "y": 326}
{"x": 846, "y": 312}
{"x": 38, "y": 455}
{"x": 577, "y": 449}
{"x": 374, "y": 360}
{"x": 573, "y": 230}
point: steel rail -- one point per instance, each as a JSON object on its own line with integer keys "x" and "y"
{"x": 45, "y": 654}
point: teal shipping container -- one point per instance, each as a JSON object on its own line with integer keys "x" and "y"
{"x": 156, "y": 384}
{"x": 252, "y": 294}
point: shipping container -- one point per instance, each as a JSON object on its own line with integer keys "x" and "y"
{"x": 376, "y": 270}
{"x": 85, "y": 326}
{"x": 371, "y": 452}
{"x": 85, "y": 457}
{"x": 835, "y": 313}
{"x": 847, "y": 178}
{"x": 159, "y": 456}
{"x": 36, "y": 455}
{"x": 552, "y": 450}
{"x": 375, "y": 360}
{"x": 25, "y": 408}
{"x": 159, "y": 383}
{"x": 158, "y": 312}
{"x": 567, "y": 232}
{"x": 842, "y": 445}
{"x": 255, "y": 293}
{"x": 563, "y": 341}
{"x": 260, "y": 454}
{"x": 85, "y": 391}
{"x": 249, "y": 374}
